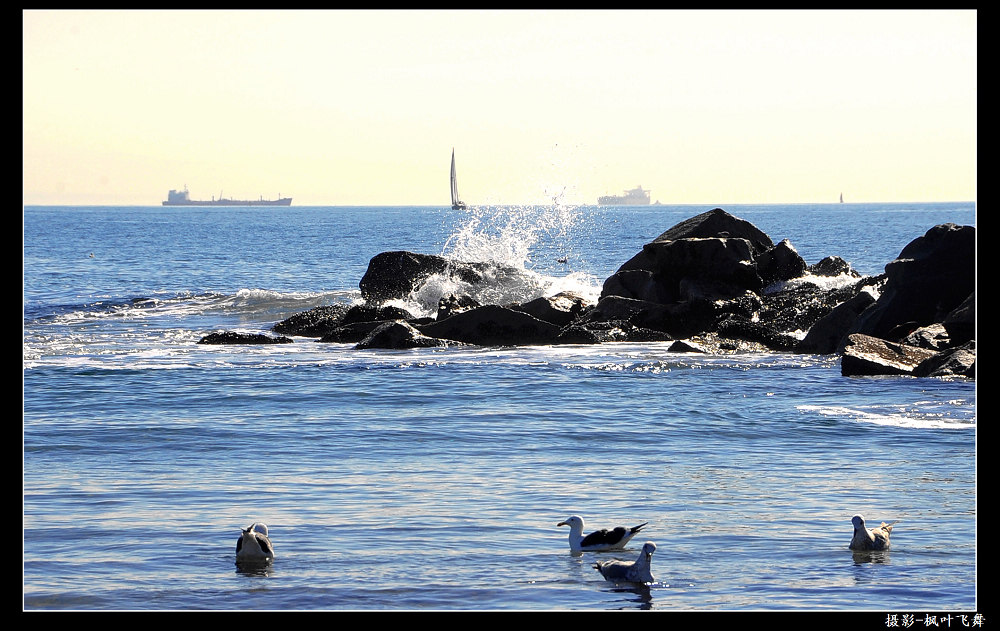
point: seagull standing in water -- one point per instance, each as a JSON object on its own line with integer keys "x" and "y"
{"x": 603, "y": 539}
{"x": 635, "y": 572}
{"x": 870, "y": 538}
{"x": 254, "y": 546}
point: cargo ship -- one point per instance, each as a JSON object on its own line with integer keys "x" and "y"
{"x": 182, "y": 198}
{"x": 634, "y": 197}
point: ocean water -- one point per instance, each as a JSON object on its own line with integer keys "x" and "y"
{"x": 433, "y": 479}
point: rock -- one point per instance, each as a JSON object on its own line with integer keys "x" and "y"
{"x": 825, "y": 336}
{"x": 639, "y": 284}
{"x": 686, "y": 346}
{"x": 832, "y": 266}
{"x": 703, "y": 279}
{"x": 867, "y": 355}
{"x": 493, "y": 325}
{"x": 233, "y": 337}
{"x": 718, "y": 223}
{"x": 961, "y": 322}
{"x": 351, "y": 333}
{"x": 394, "y": 275}
{"x": 755, "y": 331}
{"x": 560, "y": 309}
{"x": 594, "y": 332}
{"x": 709, "y": 289}
{"x": 676, "y": 320}
{"x": 455, "y": 304}
{"x": 599, "y": 332}
{"x": 930, "y": 278}
{"x": 933, "y": 337}
{"x": 954, "y": 362}
{"x": 374, "y": 313}
{"x": 398, "y": 335}
{"x": 726, "y": 260}
{"x": 782, "y": 262}
{"x": 316, "y": 322}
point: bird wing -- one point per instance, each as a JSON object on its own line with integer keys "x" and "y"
{"x": 604, "y": 537}
{"x": 612, "y": 569}
{"x": 265, "y": 544}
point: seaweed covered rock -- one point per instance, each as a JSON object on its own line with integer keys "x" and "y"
{"x": 234, "y": 337}
{"x": 315, "y": 322}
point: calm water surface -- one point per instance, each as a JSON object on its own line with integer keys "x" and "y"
{"x": 433, "y": 479}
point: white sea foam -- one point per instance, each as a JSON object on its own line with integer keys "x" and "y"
{"x": 925, "y": 415}
{"x": 825, "y": 283}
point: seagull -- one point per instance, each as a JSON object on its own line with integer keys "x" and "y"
{"x": 870, "y": 538}
{"x": 602, "y": 539}
{"x": 636, "y": 572}
{"x": 253, "y": 546}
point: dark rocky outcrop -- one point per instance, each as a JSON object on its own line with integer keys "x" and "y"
{"x": 316, "y": 322}
{"x": 560, "y": 309}
{"x": 394, "y": 275}
{"x": 453, "y": 304}
{"x": 782, "y": 262}
{"x": 233, "y": 337}
{"x": 351, "y": 333}
{"x": 832, "y": 266}
{"x": 493, "y": 325}
{"x": 959, "y": 361}
{"x": 960, "y": 324}
{"x": 718, "y": 223}
{"x": 374, "y": 313}
{"x": 828, "y": 332}
{"x": 713, "y": 283}
{"x": 932, "y": 276}
{"x": 399, "y": 335}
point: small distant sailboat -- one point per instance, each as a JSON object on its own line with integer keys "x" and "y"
{"x": 456, "y": 203}
{"x": 841, "y": 198}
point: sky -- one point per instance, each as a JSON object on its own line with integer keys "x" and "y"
{"x": 364, "y": 107}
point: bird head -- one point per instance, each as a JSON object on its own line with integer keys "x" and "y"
{"x": 648, "y": 549}
{"x": 573, "y": 521}
{"x": 858, "y": 521}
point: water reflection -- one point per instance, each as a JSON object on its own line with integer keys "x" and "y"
{"x": 642, "y": 590}
{"x": 870, "y": 556}
{"x": 253, "y": 569}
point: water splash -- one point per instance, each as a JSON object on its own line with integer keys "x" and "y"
{"x": 506, "y": 235}
{"x": 512, "y": 238}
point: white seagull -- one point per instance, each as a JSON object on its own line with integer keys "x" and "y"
{"x": 636, "y": 572}
{"x": 254, "y": 546}
{"x": 870, "y": 538}
{"x": 602, "y": 539}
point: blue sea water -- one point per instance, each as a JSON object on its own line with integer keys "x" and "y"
{"x": 433, "y": 479}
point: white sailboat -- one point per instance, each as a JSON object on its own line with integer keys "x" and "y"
{"x": 456, "y": 203}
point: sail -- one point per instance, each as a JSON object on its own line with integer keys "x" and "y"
{"x": 456, "y": 203}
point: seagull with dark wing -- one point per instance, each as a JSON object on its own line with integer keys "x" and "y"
{"x": 603, "y": 539}
{"x": 870, "y": 538}
{"x": 254, "y": 546}
{"x": 636, "y": 572}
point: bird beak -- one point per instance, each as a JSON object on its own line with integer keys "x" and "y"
{"x": 562, "y": 523}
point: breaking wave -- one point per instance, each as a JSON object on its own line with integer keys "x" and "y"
{"x": 517, "y": 238}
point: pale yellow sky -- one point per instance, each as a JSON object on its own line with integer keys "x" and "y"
{"x": 364, "y": 107}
